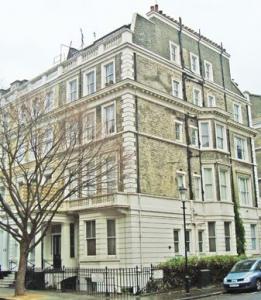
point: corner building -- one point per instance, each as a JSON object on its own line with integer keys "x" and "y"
{"x": 167, "y": 93}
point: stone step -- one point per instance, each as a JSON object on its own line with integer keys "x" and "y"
{"x": 11, "y": 276}
{"x": 5, "y": 280}
{"x": 6, "y": 285}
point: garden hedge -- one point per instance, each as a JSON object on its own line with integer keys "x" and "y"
{"x": 174, "y": 269}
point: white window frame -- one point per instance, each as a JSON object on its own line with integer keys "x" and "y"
{"x": 180, "y": 124}
{"x": 84, "y": 126}
{"x": 188, "y": 241}
{"x": 209, "y": 134}
{"x": 198, "y": 177}
{"x": 249, "y": 189}
{"x": 89, "y": 191}
{"x": 103, "y": 73}
{"x": 239, "y": 118}
{"x": 47, "y": 141}
{"x": 253, "y": 237}
{"x": 202, "y": 241}
{"x": 212, "y": 237}
{"x": 176, "y": 242}
{"x": 105, "y": 186}
{"x": 177, "y": 60}
{"x": 224, "y": 136}
{"x": 73, "y": 184}
{"x": 51, "y": 107}
{"x": 227, "y": 237}
{"x": 104, "y": 118}
{"x": 92, "y": 237}
{"x": 213, "y": 182}
{"x": 228, "y": 194}
{"x": 197, "y": 71}
{"x": 214, "y": 100}
{"x": 68, "y": 127}
{"x": 245, "y": 148}
{"x": 183, "y": 174}
{"x": 200, "y": 100}
{"x": 85, "y": 81}
{"x": 68, "y": 92}
{"x": 194, "y": 128}
{"x": 111, "y": 237}
{"x": 180, "y": 95}
{"x": 210, "y": 77}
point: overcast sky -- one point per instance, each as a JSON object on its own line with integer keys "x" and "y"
{"x": 31, "y": 31}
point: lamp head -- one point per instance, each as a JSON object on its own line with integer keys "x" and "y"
{"x": 182, "y": 192}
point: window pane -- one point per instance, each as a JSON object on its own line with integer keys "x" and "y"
{"x": 227, "y": 235}
{"x": 205, "y": 135}
{"x": 90, "y": 236}
{"x": 111, "y": 237}
{"x": 109, "y": 119}
{"x": 187, "y": 238}
{"x": 109, "y": 76}
{"x": 176, "y": 241}
{"x": 90, "y": 78}
{"x": 212, "y": 236}
{"x": 200, "y": 241}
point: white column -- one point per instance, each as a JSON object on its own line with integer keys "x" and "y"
{"x": 38, "y": 253}
{"x": 65, "y": 245}
{"x": 129, "y": 143}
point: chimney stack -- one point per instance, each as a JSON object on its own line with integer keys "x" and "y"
{"x": 156, "y": 7}
{"x": 152, "y": 8}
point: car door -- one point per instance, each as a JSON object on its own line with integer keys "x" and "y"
{"x": 258, "y": 269}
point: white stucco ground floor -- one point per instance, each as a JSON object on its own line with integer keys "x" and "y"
{"x": 126, "y": 230}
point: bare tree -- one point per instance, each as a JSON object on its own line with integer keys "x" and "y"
{"x": 43, "y": 162}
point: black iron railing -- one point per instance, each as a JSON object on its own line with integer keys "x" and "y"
{"x": 95, "y": 281}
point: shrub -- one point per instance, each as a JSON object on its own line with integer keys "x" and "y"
{"x": 219, "y": 266}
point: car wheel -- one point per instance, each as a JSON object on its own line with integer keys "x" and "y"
{"x": 258, "y": 284}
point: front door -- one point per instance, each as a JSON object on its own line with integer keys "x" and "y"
{"x": 57, "y": 263}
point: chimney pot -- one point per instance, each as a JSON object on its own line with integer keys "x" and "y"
{"x": 156, "y": 7}
{"x": 160, "y": 12}
{"x": 152, "y": 8}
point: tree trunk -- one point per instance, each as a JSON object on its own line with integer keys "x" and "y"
{"x": 20, "y": 278}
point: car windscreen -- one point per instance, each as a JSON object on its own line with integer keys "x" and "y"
{"x": 243, "y": 266}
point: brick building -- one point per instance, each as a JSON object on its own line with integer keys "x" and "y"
{"x": 167, "y": 92}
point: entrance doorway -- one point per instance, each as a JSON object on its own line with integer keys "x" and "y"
{"x": 56, "y": 246}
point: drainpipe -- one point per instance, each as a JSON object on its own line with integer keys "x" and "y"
{"x": 201, "y": 70}
{"x": 184, "y": 92}
{"x": 223, "y": 76}
{"x": 189, "y": 157}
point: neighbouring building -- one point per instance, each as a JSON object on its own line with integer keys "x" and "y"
{"x": 167, "y": 91}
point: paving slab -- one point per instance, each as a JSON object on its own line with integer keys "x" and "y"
{"x": 8, "y": 294}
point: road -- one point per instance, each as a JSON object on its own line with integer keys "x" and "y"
{"x": 237, "y": 296}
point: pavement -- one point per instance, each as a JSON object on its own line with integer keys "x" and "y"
{"x": 8, "y": 294}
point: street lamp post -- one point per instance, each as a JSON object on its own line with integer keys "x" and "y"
{"x": 182, "y": 191}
